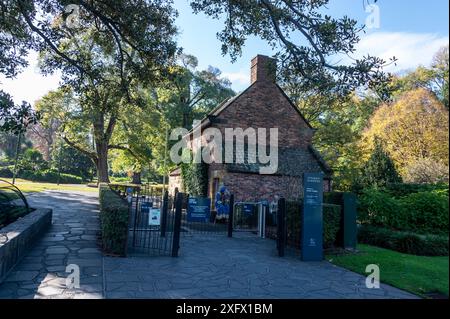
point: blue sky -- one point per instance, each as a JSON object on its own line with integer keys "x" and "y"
{"x": 412, "y": 30}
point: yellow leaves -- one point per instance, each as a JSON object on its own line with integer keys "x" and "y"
{"x": 412, "y": 128}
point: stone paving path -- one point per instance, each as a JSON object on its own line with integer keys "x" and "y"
{"x": 208, "y": 267}
{"x": 72, "y": 239}
{"x": 241, "y": 267}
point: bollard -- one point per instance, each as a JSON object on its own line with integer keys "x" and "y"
{"x": 165, "y": 208}
{"x": 177, "y": 225}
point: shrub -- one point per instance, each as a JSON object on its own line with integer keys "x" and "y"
{"x": 331, "y": 223}
{"x": 426, "y": 212}
{"x": 400, "y": 189}
{"x": 50, "y": 176}
{"x": 422, "y": 212}
{"x": 378, "y": 208}
{"x": 6, "y": 172}
{"x": 114, "y": 221}
{"x": 405, "y": 242}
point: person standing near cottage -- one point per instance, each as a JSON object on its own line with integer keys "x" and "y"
{"x": 273, "y": 209}
{"x": 222, "y": 204}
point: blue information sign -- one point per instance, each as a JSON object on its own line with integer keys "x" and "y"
{"x": 248, "y": 209}
{"x": 199, "y": 209}
{"x": 312, "y": 217}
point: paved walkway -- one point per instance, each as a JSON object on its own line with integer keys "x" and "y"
{"x": 208, "y": 267}
{"x": 72, "y": 239}
{"x": 241, "y": 267}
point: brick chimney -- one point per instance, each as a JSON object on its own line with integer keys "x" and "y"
{"x": 264, "y": 69}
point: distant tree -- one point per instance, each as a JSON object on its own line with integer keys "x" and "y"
{"x": 435, "y": 78}
{"x": 189, "y": 93}
{"x": 70, "y": 161}
{"x": 415, "y": 127}
{"x": 427, "y": 171}
{"x": 102, "y": 52}
{"x": 379, "y": 170}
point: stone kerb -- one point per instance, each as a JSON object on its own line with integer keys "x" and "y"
{"x": 17, "y": 237}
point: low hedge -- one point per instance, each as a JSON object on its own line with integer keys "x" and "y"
{"x": 114, "y": 221}
{"x": 331, "y": 222}
{"x": 404, "y": 242}
{"x": 402, "y": 189}
{"x": 46, "y": 176}
{"x": 6, "y": 172}
{"x": 50, "y": 176}
{"x": 420, "y": 212}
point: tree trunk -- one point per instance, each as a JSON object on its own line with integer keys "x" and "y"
{"x": 102, "y": 162}
{"x": 136, "y": 178}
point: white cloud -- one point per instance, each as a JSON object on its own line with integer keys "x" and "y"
{"x": 241, "y": 78}
{"x": 411, "y": 49}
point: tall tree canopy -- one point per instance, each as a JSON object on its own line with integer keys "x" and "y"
{"x": 102, "y": 49}
{"x": 306, "y": 39}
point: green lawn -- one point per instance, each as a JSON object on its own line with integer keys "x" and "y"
{"x": 34, "y": 187}
{"x": 417, "y": 274}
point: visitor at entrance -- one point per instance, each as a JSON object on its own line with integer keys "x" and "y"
{"x": 273, "y": 208}
{"x": 222, "y": 204}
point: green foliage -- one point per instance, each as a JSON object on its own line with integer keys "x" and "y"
{"x": 114, "y": 221}
{"x": 71, "y": 161}
{"x": 303, "y": 57}
{"x": 421, "y": 212}
{"x": 32, "y": 160}
{"x": 401, "y": 189}
{"x": 15, "y": 118}
{"x": 6, "y": 172}
{"x": 405, "y": 242}
{"x": 331, "y": 222}
{"x": 49, "y": 176}
{"x": 426, "y": 212}
{"x": 194, "y": 176}
{"x": 379, "y": 170}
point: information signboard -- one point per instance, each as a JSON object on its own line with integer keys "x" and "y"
{"x": 199, "y": 209}
{"x": 312, "y": 217}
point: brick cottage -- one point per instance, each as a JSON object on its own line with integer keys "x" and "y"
{"x": 263, "y": 105}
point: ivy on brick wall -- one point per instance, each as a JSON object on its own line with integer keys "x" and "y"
{"x": 194, "y": 176}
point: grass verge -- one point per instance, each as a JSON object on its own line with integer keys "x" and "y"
{"x": 419, "y": 275}
{"x": 35, "y": 187}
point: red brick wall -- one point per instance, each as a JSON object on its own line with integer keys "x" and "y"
{"x": 264, "y": 106}
{"x": 253, "y": 187}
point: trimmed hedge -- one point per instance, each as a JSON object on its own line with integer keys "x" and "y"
{"x": 48, "y": 176}
{"x": 404, "y": 242}
{"x": 421, "y": 212}
{"x": 331, "y": 222}
{"x": 401, "y": 189}
{"x": 6, "y": 172}
{"x": 114, "y": 221}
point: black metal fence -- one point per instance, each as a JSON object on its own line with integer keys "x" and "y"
{"x": 151, "y": 226}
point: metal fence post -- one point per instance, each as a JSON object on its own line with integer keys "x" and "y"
{"x": 177, "y": 225}
{"x": 230, "y": 216}
{"x": 281, "y": 214}
{"x": 165, "y": 207}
